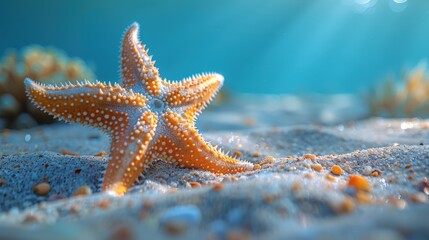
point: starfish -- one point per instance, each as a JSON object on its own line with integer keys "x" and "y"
{"x": 146, "y": 117}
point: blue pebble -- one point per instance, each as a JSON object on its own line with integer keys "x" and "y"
{"x": 235, "y": 216}
{"x": 187, "y": 214}
{"x": 219, "y": 228}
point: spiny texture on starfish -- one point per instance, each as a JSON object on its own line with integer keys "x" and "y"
{"x": 146, "y": 117}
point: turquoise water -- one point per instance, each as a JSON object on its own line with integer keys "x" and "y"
{"x": 277, "y": 46}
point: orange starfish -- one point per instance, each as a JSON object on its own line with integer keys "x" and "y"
{"x": 147, "y": 118}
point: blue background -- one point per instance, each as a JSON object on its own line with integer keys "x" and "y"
{"x": 277, "y": 46}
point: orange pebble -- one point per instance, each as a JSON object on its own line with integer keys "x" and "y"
{"x": 82, "y": 191}
{"x": 101, "y": 154}
{"x": 67, "y": 152}
{"x": 312, "y": 157}
{"x": 41, "y": 189}
{"x": 30, "y": 218}
{"x": 419, "y": 198}
{"x": 256, "y": 166}
{"x": 195, "y": 184}
{"x": 266, "y": 160}
{"x": 308, "y": 175}
{"x": 316, "y": 167}
{"x": 256, "y": 154}
{"x": 363, "y": 197}
{"x": 345, "y": 206}
{"x": 74, "y": 209}
{"x": 103, "y": 204}
{"x": 237, "y": 154}
{"x": 330, "y": 178}
{"x": 217, "y": 186}
{"x": 336, "y": 170}
{"x": 358, "y": 182}
{"x": 296, "y": 186}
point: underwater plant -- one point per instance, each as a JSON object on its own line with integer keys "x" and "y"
{"x": 47, "y": 65}
{"x": 408, "y": 97}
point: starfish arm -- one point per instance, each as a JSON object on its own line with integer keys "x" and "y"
{"x": 193, "y": 94}
{"x": 137, "y": 68}
{"x": 91, "y": 104}
{"x": 186, "y": 148}
{"x": 127, "y": 154}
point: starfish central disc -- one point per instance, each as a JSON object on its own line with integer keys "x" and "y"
{"x": 147, "y": 118}
{"x": 156, "y": 105}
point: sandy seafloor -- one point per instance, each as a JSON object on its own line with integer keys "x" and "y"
{"x": 285, "y": 199}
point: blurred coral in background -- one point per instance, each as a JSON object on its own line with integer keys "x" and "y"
{"x": 43, "y": 64}
{"x": 408, "y": 97}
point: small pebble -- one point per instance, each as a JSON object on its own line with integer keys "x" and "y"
{"x": 123, "y": 232}
{"x": 195, "y": 184}
{"x": 312, "y": 157}
{"x": 30, "y": 218}
{"x": 230, "y": 179}
{"x": 237, "y": 154}
{"x": 144, "y": 211}
{"x": 101, "y": 154}
{"x": 267, "y": 159}
{"x": 345, "y": 206}
{"x": 359, "y": 183}
{"x": 67, "y": 152}
{"x": 316, "y": 167}
{"x": 336, "y": 170}
{"x": 367, "y": 170}
{"x": 103, "y": 204}
{"x": 269, "y": 198}
{"x": 74, "y": 209}
{"x": 177, "y": 220}
{"x": 347, "y": 168}
{"x": 249, "y": 121}
{"x": 363, "y": 197}
{"x": 308, "y": 175}
{"x": 235, "y": 216}
{"x": 82, "y": 191}
{"x": 399, "y": 203}
{"x": 236, "y": 234}
{"x": 418, "y": 198}
{"x": 218, "y": 229}
{"x": 256, "y": 166}
{"x": 375, "y": 173}
{"x": 330, "y": 178}
{"x": 217, "y": 187}
{"x": 423, "y": 187}
{"x": 41, "y": 189}
{"x": 295, "y": 187}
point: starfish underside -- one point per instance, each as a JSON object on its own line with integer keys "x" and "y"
{"x": 146, "y": 117}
